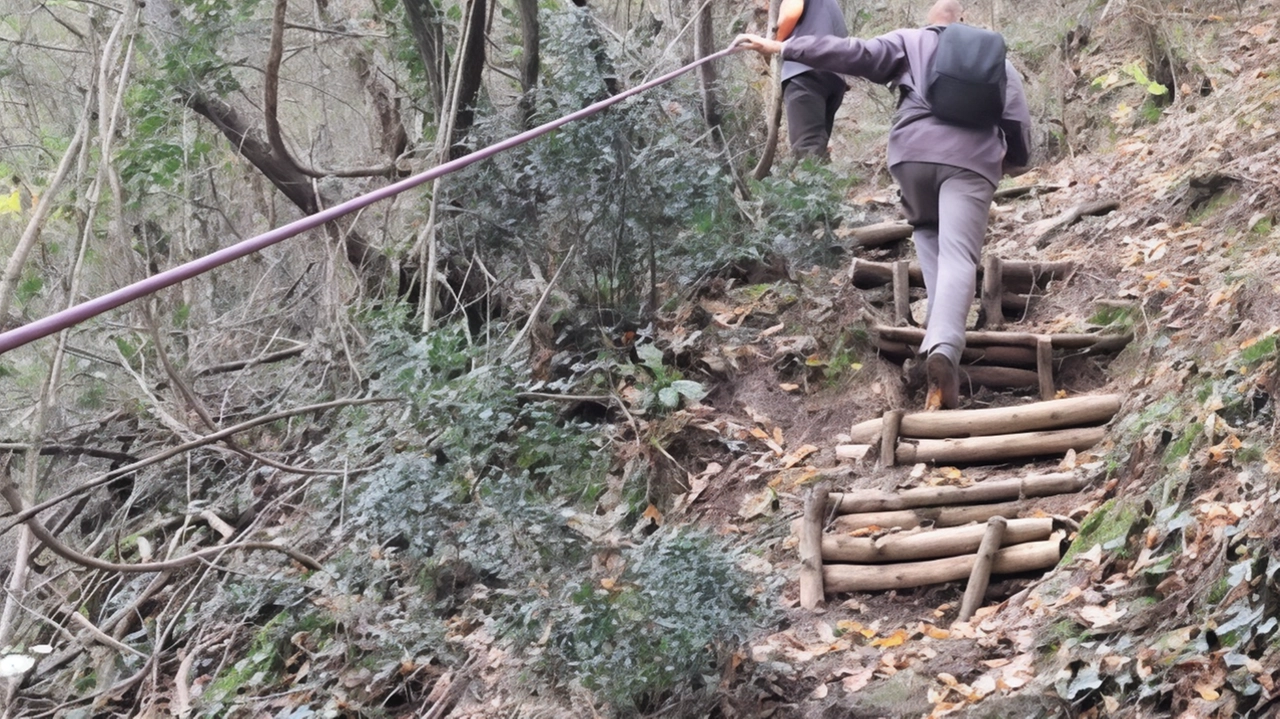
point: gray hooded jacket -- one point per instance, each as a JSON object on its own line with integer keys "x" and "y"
{"x": 901, "y": 59}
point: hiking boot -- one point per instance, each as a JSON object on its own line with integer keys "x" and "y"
{"x": 944, "y": 382}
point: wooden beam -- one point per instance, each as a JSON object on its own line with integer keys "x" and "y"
{"x": 890, "y": 427}
{"x": 815, "y": 512}
{"x": 992, "y": 292}
{"x": 999, "y": 448}
{"x": 1044, "y": 368}
{"x": 1032, "y": 556}
{"x": 929, "y": 516}
{"x": 928, "y": 543}
{"x": 880, "y": 233}
{"x": 997, "y": 490}
{"x": 1019, "y": 277}
{"x": 998, "y": 377}
{"x": 1094, "y": 342}
{"x": 1019, "y": 357}
{"x": 1053, "y": 414}
{"x": 980, "y": 575}
{"x": 901, "y": 295}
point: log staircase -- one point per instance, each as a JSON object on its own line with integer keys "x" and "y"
{"x": 867, "y": 541}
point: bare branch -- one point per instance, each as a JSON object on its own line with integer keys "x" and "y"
{"x": 9, "y": 491}
{"x": 26, "y": 514}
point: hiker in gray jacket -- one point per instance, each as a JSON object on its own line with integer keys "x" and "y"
{"x": 811, "y": 96}
{"x": 947, "y": 173}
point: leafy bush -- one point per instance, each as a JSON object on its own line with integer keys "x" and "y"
{"x": 625, "y": 184}
{"x": 657, "y": 630}
{"x": 798, "y": 207}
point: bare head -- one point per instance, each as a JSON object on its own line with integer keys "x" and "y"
{"x": 945, "y": 12}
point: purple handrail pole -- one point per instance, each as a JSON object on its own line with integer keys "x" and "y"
{"x": 92, "y": 308}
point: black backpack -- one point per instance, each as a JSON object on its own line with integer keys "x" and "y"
{"x": 966, "y": 80}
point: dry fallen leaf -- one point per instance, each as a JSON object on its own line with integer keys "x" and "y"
{"x": 893, "y": 640}
{"x": 857, "y": 679}
{"x": 1098, "y": 616}
{"x": 934, "y": 632}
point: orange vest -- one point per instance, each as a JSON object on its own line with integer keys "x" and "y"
{"x": 788, "y": 15}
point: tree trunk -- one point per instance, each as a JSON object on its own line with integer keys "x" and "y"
{"x": 295, "y": 185}
{"x": 703, "y": 45}
{"x": 530, "y": 60}
{"x": 773, "y": 114}
{"x": 428, "y": 34}
{"x": 473, "y": 56}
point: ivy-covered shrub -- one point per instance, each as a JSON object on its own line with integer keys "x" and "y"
{"x": 659, "y": 630}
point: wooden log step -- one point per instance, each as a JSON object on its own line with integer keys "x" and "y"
{"x": 815, "y": 509}
{"x": 998, "y": 377}
{"x": 1019, "y": 277}
{"x": 998, "y": 448}
{"x": 878, "y": 234}
{"x": 999, "y": 490}
{"x": 930, "y": 516}
{"x": 1028, "y": 557}
{"x": 1080, "y": 341}
{"x": 1053, "y": 414}
{"x": 928, "y": 544}
{"x": 993, "y": 538}
{"x": 1015, "y": 357}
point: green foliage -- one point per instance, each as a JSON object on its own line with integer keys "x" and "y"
{"x": 1181, "y": 447}
{"x": 28, "y": 287}
{"x": 155, "y": 152}
{"x": 800, "y": 210}
{"x": 667, "y": 386}
{"x": 1137, "y": 73}
{"x": 1108, "y": 525}
{"x": 1263, "y": 349}
{"x": 1117, "y": 317}
{"x": 637, "y": 187}
{"x": 655, "y": 630}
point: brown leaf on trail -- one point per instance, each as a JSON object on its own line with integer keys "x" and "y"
{"x": 788, "y": 386}
{"x": 652, "y": 513}
{"x": 1207, "y": 693}
{"x": 773, "y": 330}
{"x": 797, "y": 456}
{"x": 856, "y": 678}
{"x": 777, "y": 436}
{"x": 848, "y": 626}
{"x": 769, "y": 442}
{"x": 757, "y": 505}
{"x": 933, "y": 632}
{"x": 893, "y": 640}
{"x": 758, "y": 417}
{"x": 1098, "y": 616}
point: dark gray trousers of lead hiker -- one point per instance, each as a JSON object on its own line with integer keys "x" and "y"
{"x": 948, "y": 207}
{"x": 811, "y": 100}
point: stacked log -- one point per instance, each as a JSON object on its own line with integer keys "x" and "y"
{"x": 934, "y": 541}
{"x": 977, "y": 435}
{"x": 1008, "y": 350}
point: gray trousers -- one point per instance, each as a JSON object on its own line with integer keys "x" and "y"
{"x": 811, "y": 100}
{"x": 948, "y": 207}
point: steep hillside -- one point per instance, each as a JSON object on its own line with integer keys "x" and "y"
{"x": 1161, "y": 607}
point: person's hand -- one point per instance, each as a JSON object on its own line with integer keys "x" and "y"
{"x": 762, "y": 45}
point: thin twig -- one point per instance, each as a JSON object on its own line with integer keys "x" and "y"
{"x": 194, "y": 444}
